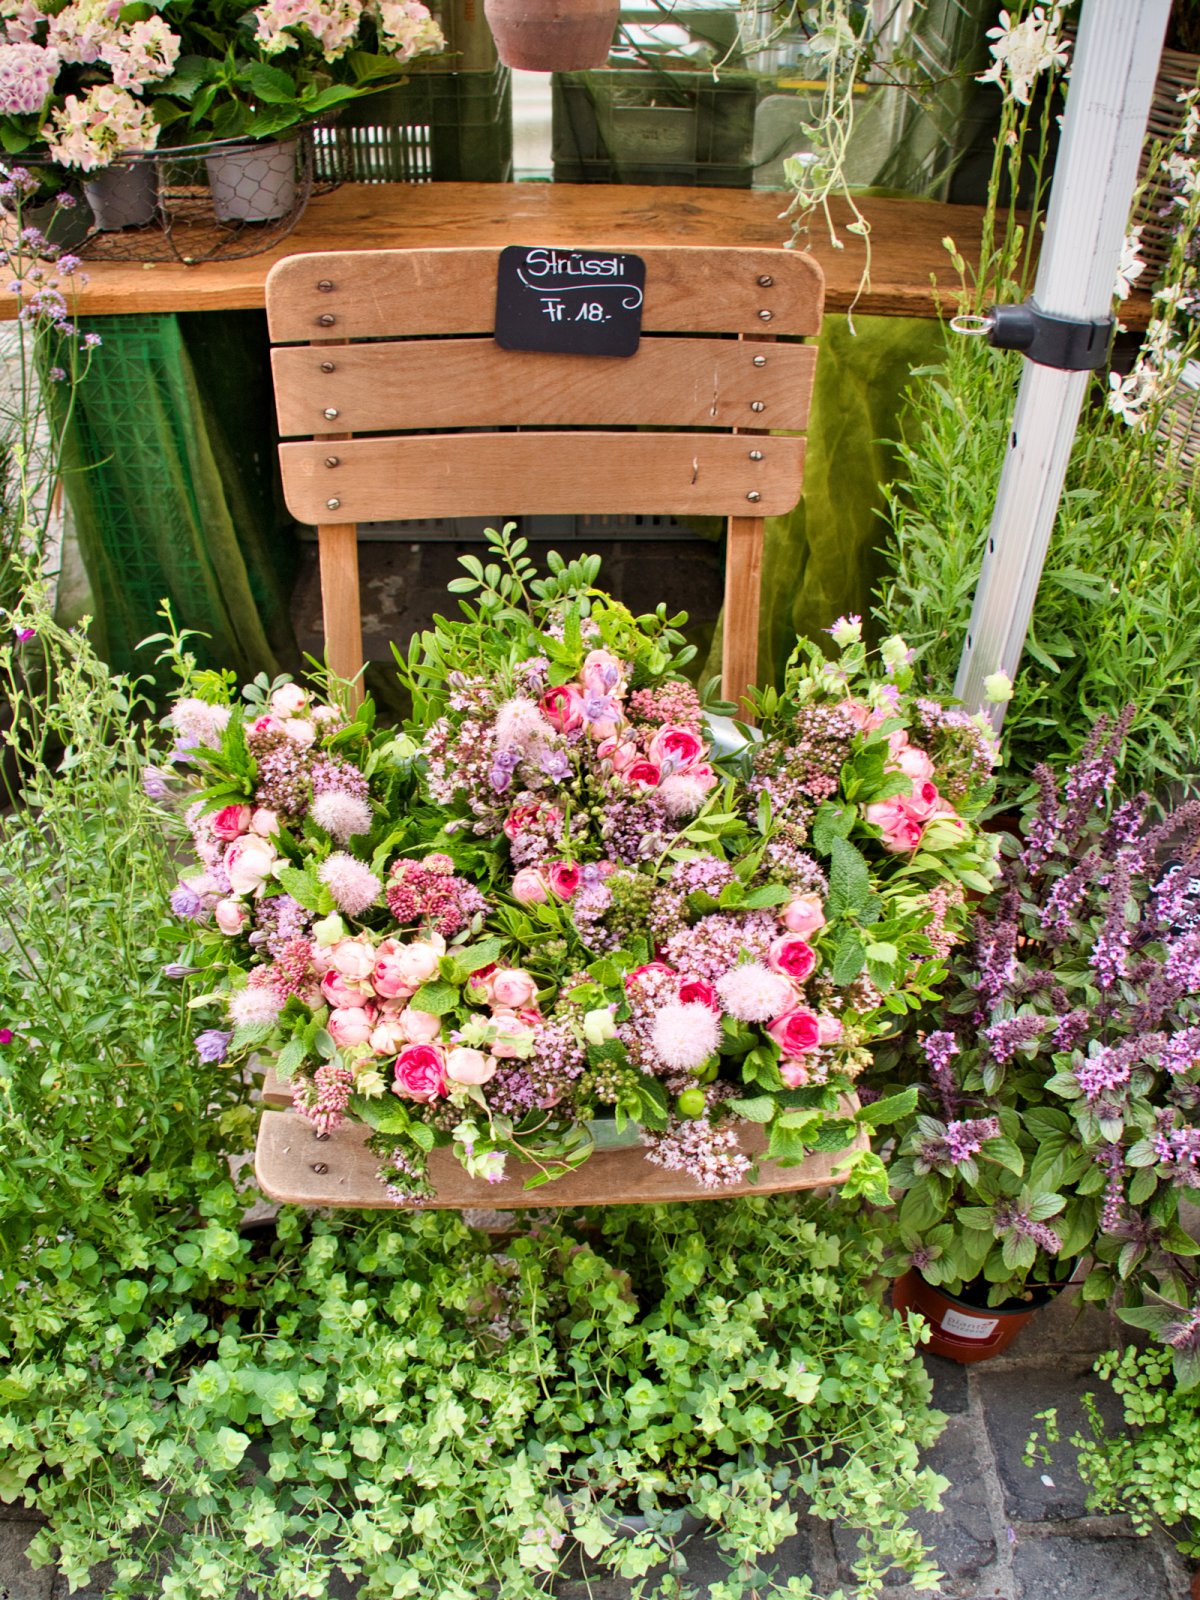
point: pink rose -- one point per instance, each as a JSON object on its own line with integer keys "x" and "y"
{"x": 388, "y": 974}
{"x": 342, "y": 994}
{"x": 387, "y": 1036}
{"x": 796, "y": 1032}
{"x": 418, "y": 963}
{"x": 264, "y": 822}
{"x": 924, "y": 801}
{"x": 792, "y": 956}
{"x": 562, "y": 707}
{"x": 522, "y": 817}
{"x": 651, "y": 966}
{"x": 481, "y": 983}
{"x": 675, "y": 748}
{"x": 420, "y": 1072}
{"x": 803, "y": 915}
{"x": 897, "y": 741}
{"x": 512, "y": 988}
{"x": 563, "y": 877}
{"x": 230, "y": 822}
{"x": 351, "y": 1025}
{"x": 915, "y": 764}
{"x": 300, "y": 731}
{"x": 420, "y": 1027}
{"x": 900, "y": 829}
{"x": 795, "y": 1074}
{"x": 698, "y": 991}
{"x": 249, "y": 861}
{"x": 512, "y": 1035}
{"x": 830, "y": 1028}
{"x": 862, "y": 716}
{"x": 265, "y": 724}
{"x": 642, "y": 775}
{"x": 621, "y": 752}
{"x": 529, "y": 887}
{"x": 288, "y": 700}
{"x": 352, "y": 959}
{"x": 602, "y": 673}
{"x": 469, "y": 1066}
{"x": 230, "y": 916}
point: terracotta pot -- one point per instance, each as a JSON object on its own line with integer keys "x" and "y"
{"x": 962, "y": 1331}
{"x": 553, "y": 35}
{"x": 1196, "y": 1585}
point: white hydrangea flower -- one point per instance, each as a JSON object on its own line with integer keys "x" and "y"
{"x": 27, "y": 74}
{"x": 1022, "y": 50}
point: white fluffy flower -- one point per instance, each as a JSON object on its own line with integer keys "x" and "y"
{"x": 341, "y": 815}
{"x": 681, "y": 795}
{"x": 685, "y": 1035}
{"x": 1022, "y": 50}
{"x": 256, "y": 1003}
{"x": 353, "y": 886}
{"x": 753, "y": 993}
{"x": 196, "y": 722}
{"x": 521, "y": 726}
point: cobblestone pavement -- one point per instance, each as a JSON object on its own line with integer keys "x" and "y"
{"x": 1005, "y": 1532}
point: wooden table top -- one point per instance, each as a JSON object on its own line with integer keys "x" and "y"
{"x": 906, "y": 240}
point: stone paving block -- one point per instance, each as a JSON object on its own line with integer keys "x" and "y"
{"x": 1069, "y": 1568}
{"x": 1011, "y": 1399}
{"x": 960, "y": 1534}
{"x": 1066, "y": 1326}
{"x": 17, "y": 1578}
{"x": 950, "y": 1389}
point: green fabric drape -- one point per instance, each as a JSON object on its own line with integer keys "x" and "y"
{"x": 170, "y": 473}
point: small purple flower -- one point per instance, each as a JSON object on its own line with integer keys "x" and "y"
{"x": 556, "y": 764}
{"x": 176, "y": 969}
{"x": 212, "y": 1045}
{"x": 186, "y": 903}
{"x": 22, "y": 634}
{"x": 57, "y": 375}
{"x": 154, "y": 783}
{"x": 91, "y": 341}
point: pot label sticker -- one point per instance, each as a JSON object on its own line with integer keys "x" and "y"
{"x": 968, "y": 1327}
{"x": 583, "y": 302}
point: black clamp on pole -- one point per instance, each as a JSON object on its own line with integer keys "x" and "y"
{"x": 1062, "y": 342}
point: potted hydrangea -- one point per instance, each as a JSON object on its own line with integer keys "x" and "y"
{"x": 559, "y": 901}
{"x": 1060, "y": 1075}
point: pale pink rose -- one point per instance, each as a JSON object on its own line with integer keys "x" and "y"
{"x": 924, "y": 801}
{"x": 266, "y": 724}
{"x": 352, "y": 959}
{"x": 351, "y": 1025}
{"x": 562, "y": 708}
{"x": 341, "y": 993}
{"x": 323, "y": 714}
{"x": 862, "y": 716}
{"x": 469, "y": 1066}
{"x": 795, "y": 1073}
{"x": 387, "y": 976}
{"x": 803, "y": 915}
{"x": 230, "y": 916}
{"x": 531, "y": 1016}
{"x": 915, "y": 764}
{"x": 420, "y": 1027}
{"x": 249, "y": 861}
{"x": 230, "y": 822}
{"x": 387, "y": 1036}
{"x": 796, "y": 1032}
{"x": 699, "y": 991}
{"x": 420, "y": 1072}
{"x": 642, "y": 775}
{"x": 289, "y": 700}
{"x": 621, "y": 752}
{"x": 529, "y": 887}
{"x": 830, "y": 1028}
{"x": 416, "y": 964}
{"x": 604, "y": 728}
{"x": 792, "y": 956}
{"x": 512, "y": 988}
{"x": 900, "y": 829}
{"x": 677, "y": 748}
{"x": 603, "y": 673}
{"x": 897, "y": 741}
{"x": 511, "y": 1035}
{"x": 300, "y": 731}
{"x": 563, "y": 878}
{"x": 264, "y": 822}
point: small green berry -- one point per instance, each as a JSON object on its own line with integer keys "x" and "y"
{"x": 691, "y": 1103}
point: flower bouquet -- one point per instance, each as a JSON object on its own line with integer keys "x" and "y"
{"x": 569, "y": 902}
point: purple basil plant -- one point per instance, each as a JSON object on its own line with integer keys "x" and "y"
{"x": 1059, "y": 1116}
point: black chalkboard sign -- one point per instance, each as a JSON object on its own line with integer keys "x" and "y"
{"x": 587, "y": 302}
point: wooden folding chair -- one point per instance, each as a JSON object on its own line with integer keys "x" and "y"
{"x": 382, "y": 358}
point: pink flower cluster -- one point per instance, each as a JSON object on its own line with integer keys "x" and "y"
{"x": 428, "y": 892}
{"x": 903, "y": 818}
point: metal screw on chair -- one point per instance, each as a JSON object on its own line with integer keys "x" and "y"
{"x": 330, "y": 413}
{"x": 754, "y": 495}
{"x": 326, "y": 320}
{"x": 320, "y": 1167}
{"x": 325, "y": 285}
{"x": 757, "y": 405}
{"x": 766, "y": 281}
{"x": 332, "y": 505}
{"x": 763, "y": 316}
{"x": 332, "y": 461}
{"x": 760, "y": 361}
{"x": 327, "y": 366}
{"x": 756, "y": 455}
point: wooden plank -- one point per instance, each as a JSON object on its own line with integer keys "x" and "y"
{"x": 743, "y": 585}
{"x": 510, "y": 474}
{"x": 340, "y": 605}
{"x": 471, "y": 383}
{"x": 380, "y": 293}
{"x": 909, "y": 267}
{"x": 289, "y": 1154}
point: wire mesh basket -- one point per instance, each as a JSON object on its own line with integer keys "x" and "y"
{"x": 219, "y": 200}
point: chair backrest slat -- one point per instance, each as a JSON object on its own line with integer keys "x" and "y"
{"x": 416, "y": 384}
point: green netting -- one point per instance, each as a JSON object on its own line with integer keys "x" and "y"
{"x": 170, "y": 473}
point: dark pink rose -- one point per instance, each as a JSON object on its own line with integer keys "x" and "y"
{"x": 420, "y": 1072}
{"x": 651, "y": 966}
{"x": 563, "y": 707}
{"x": 563, "y": 877}
{"x": 792, "y": 956}
{"x": 522, "y": 817}
{"x": 698, "y": 991}
{"x": 797, "y": 1032}
{"x": 924, "y": 801}
{"x": 642, "y": 774}
{"x": 230, "y": 822}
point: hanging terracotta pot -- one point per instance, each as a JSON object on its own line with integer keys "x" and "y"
{"x": 960, "y": 1329}
{"x": 553, "y": 35}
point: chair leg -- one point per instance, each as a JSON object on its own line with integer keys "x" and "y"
{"x": 338, "y": 548}
{"x": 743, "y": 582}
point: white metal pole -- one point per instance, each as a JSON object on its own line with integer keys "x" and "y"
{"x": 1108, "y": 103}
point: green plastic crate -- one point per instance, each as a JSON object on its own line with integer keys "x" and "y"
{"x": 449, "y": 127}
{"x": 633, "y": 125}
